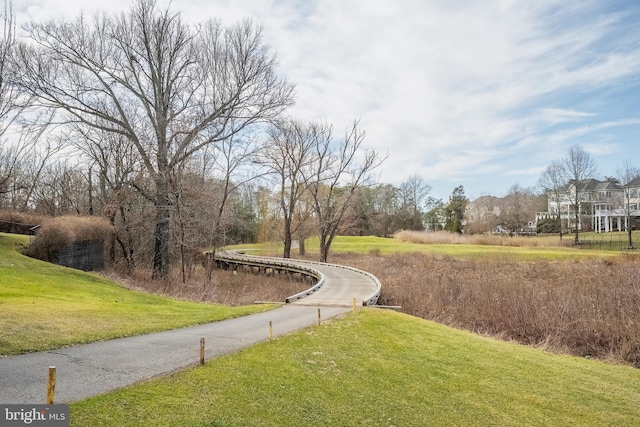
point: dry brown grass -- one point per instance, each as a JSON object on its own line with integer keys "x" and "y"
{"x": 58, "y": 233}
{"x": 225, "y": 287}
{"x": 588, "y": 309}
{"x": 19, "y": 222}
{"x": 446, "y": 238}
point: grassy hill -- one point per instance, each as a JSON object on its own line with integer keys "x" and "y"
{"x": 45, "y": 306}
{"x": 379, "y": 368}
{"x": 374, "y": 367}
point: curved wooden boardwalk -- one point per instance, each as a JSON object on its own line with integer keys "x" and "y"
{"x": 336, "y": 285}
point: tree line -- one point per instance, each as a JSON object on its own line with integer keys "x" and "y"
{"x": 179, "y": 136}
{"x": 171, "y": 131}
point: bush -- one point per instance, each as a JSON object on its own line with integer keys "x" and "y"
{"x": 549, "y": 226}
{"x": 56, "y": 234}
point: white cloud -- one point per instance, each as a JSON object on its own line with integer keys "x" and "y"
{"x": 450, "y": 89}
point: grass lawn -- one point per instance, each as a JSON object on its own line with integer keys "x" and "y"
{"x": 379, "y": 368}
{"x": 366, "y": 244}
{"x": 45, "y": 306}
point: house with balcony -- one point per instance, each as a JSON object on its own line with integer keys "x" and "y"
{"x": 603, "y": 206}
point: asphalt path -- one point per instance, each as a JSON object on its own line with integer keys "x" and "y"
{"x": 341, "y": 286}
{"x": 87, "y": 370}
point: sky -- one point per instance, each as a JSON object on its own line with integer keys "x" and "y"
{"x": 483, "y": 94}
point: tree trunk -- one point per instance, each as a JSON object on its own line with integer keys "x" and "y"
{"x": 211, "y": 260}
{"x": 301, "y": 248}
{"x": 162, "y": 232}
{"x": 127, "y": 250}
{"x": 324, "y": 252}
{"x": 325, "y": 244}
{"x": 287, "y": 239}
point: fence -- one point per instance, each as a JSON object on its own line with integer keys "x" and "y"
{"x": 605, "y": 242}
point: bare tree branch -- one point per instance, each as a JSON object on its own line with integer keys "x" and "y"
{"x": 170, "y": 89}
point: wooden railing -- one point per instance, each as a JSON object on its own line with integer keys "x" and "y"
{"x": 235, "y": 259}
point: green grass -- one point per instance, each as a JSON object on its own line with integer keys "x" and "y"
{"x": 379, "y": 368}
{"x": 45, "y": 306}
{"x": 366, "y": 244}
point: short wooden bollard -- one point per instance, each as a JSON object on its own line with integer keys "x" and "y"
{"x": 354, "y": 305}
{"x": 319, "y": 319}
{"x": 51, "y": 385}
{"x": 270, "y": 330}
{"x": 202, "y": 351}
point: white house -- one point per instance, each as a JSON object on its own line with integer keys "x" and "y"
{"x": 603, "y": 206}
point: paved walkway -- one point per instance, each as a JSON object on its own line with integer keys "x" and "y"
{"x": 342, "y": 285}
{"x": 88, "y": 370}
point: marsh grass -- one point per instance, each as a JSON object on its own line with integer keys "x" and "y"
{"x": 225, "y": 287}
{"x": 445, "y": 238}
{"x": 587, "y": 308}
{"x": 567, "y": 300}
{"x": 616, "y": 241}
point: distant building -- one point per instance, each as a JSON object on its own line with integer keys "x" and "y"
{"x": 603, "y": 206}
{"x": 513, "y": 214}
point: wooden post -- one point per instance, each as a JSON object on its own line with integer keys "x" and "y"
{"x": 201, "y": 351}
{"x": 270, "y": 330}
{"x": 319, "y": 319}
{"x": 51, "y": 385}
{"x": 354, "y": 305}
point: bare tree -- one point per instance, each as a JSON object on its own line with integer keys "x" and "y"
{"x": 552, "y": 182}
{"x": 286, "y": 153}
{"x": 334, "y": 175}
{"x": 385, "y": 209}
{"x": 61, "y": 189}
{"x": 628, "y": 175}
{"x": 514, "y": 208}
{"x": 226, "y": 166}
{"x": 116, "y": 171}
{"x": 575, "y": 169}
{"x": 12, "y": 100}
{"x": 22, "y": 160}
{"x": 304, "y": 224}
{"x": 17, "y": 146}
{"x": 414, "y": 191}
{"x": 269, "y": 213}
{"x": 170, "y": 89}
